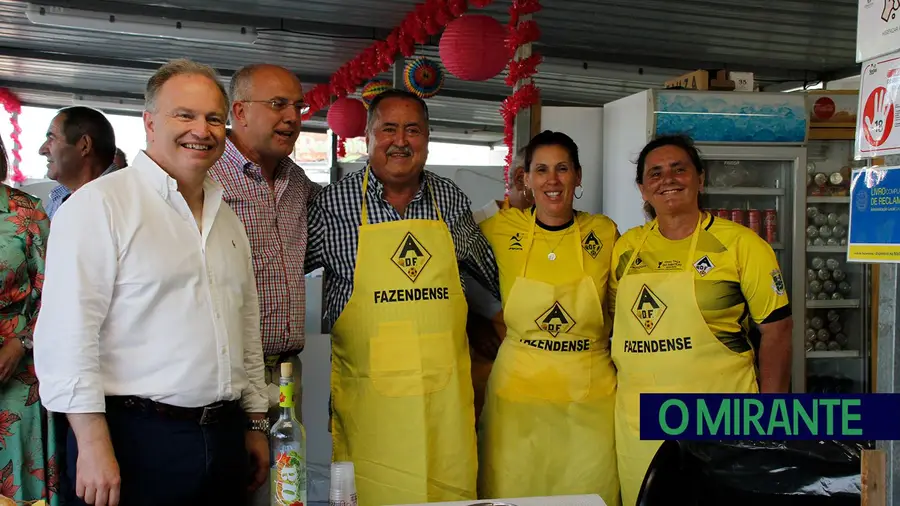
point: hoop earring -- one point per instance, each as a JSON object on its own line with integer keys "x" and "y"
{"x": 577, "y": 196}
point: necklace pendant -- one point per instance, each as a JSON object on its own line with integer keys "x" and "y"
{"x": 551, "y": 256}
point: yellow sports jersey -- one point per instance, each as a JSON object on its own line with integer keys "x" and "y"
{"x": 735, "y": 271}
{"x": 508, "y": 230}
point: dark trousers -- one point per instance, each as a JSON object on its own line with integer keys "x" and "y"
{"x": 173, "y": 462}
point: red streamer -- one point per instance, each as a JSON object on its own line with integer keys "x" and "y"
{"x": 13, "y": 106}
{"x": 427, "y": 19}
{"x": 520, "y": 33}
{"x": 526, "y": 32}
{"x": 341, "y": 148}
{"x": 519, "y": 70}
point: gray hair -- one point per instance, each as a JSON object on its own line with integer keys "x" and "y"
{"x": 241, "y": 81}
{"x": 174, "y": 68}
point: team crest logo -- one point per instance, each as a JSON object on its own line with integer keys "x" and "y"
{"x": 411, "y": 257}
{"x": 555, "y": 320}
{"x": 648, "y": 309}
{"x": 703, "y": 266}
{"x": 515, "y": 242}
{"x": 592, "y": 244}
{"x": 777, "y": 282}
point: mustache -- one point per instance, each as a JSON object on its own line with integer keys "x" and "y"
{"x": 399, "y": 149}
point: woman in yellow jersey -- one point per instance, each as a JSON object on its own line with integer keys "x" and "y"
{"x": 547, "y": 424}
{"x": 685, "y": 289}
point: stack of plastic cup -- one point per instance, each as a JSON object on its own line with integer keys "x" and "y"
{"x": 343, "y": 485}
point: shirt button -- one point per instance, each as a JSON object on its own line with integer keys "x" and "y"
{"x": 223, "y": 350}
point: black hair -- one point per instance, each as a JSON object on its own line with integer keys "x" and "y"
{"x": 79, "y": 121}
{"x": 679, "y": 141}
{"x": 551, "y": 138}
{"x": 394, "y": 93}
{"x": 4, "y": 162}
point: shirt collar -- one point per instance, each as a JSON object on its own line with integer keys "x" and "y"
{"x": 163, "y": 183}
{"x": 249, "y": 168}
{"x": 59, "y": 192}
{"x": 376, "y": 186}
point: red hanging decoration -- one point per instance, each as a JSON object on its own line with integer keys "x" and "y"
{"x": 519, "y": 34}
{"x": 341, "y": 147}
{"x": 472, "y": 47}
{"x": 13, "y": 106}
{"x": 347, "y": 117}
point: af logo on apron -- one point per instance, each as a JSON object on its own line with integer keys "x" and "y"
{"x": 401, "y": 383}
{"x": 666, "y": 348}
{"x": 411, "y": 257}
{"x": 547, "y": 424}
{"x": 555, "y": 320}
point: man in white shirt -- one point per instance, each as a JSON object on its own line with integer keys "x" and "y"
{"x": 148, "y": 337}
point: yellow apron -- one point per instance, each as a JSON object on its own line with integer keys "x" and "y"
{"x": 685, "y": 357}
{"x": 400, "y": 371}
{"x": 547, "y": 425}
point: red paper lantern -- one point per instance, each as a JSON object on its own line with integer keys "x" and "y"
{"x": 347, "y": 118}
{"x": 473, "y": 47}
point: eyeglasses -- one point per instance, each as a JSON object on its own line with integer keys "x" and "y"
{"x": 280, "y": 104}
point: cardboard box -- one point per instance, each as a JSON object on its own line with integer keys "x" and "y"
{"x": 703, "y": 80}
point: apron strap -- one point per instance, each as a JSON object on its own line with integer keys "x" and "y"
{"x": 365, "y": 186}
{"x": 530, "y": 241}
{"x": 693, "y": 249}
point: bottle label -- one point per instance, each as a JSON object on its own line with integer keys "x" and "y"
{"x": 336, "y": 502}
{"x": 289, "y": 480}
{"x": 286, "y": 395}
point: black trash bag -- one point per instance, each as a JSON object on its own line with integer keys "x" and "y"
{"x": 738, "y": 473}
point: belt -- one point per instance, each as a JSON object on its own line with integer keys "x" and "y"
{"x": 206, "y": 415}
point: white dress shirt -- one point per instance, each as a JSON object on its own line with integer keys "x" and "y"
{"x": 139, "y": 300}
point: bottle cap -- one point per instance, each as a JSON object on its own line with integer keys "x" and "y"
{"x": 287, "y": 370}
{"x": 343, "y": 483}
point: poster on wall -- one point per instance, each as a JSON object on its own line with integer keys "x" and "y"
{"x": 877, "y": 29}
{"x": 877, "y": 129}
{"x": 874, "y": 230}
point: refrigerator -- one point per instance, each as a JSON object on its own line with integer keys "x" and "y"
{"x": 838, "y": 308}
{"x": 754, "y": 146}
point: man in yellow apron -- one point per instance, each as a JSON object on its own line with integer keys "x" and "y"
{"x": 662, "y": 306}
{"x": 401, "y": 383}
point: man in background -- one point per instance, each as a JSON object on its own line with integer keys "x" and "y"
{"x": 121, "y": 160}
{"x": 80, "y": 147}
{"x": 269, "y": 193}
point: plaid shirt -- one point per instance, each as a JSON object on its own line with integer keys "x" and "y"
{"x": 334, "y": 218}
{"x": 276, "y": 227}
{"x": 60, "y": 193}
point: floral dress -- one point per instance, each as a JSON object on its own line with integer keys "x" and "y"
{"x": 28, "y": 469}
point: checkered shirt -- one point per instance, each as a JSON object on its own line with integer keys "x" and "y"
{"x": 334, "y": 219}
{"x": 276, "y": 226}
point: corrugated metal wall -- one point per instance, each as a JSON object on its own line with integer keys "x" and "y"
{"x": 595, "y": 51}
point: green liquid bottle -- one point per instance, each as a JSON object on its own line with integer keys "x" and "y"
{"x": 288, "y": 445}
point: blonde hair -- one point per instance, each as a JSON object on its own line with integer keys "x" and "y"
{"x": 179, "y": 67}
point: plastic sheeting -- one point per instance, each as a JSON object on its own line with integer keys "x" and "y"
{"x": 737, "y": 473}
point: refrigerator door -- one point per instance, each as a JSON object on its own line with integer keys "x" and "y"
{"x": 763, "y": 188}
{"x": 837, "y": 318}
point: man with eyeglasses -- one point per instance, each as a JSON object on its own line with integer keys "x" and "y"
{"x": 269, "y": 192}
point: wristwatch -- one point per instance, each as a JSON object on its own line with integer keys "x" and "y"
{"x": 26, "y": 344}
{"x": 260, "y": 425}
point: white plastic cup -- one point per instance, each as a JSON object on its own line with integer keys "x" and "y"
{"x": 343, "y": 485}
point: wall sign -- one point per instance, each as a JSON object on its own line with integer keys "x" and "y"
{"x": 877, "y": 129}
{"x": 877, "y": 29}
{"x": 874, "y": 231}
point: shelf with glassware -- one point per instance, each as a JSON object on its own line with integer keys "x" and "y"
{"x": 836, "y": 327}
